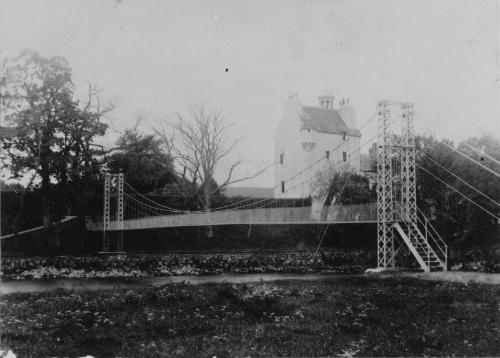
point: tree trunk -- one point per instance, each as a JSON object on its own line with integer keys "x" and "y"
{"x": 21, "y": 206}
{"x": 45, "y": 191}
{"x": 209, "y": 230}
{"x": 45, "y": 174}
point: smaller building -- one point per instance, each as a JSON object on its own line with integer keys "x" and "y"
{"x": 305, "y": 134}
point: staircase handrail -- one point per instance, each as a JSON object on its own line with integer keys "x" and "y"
{"x": 440, "y": 243}
{"x": 407, "y": 218}
{"x": 435, "y": 231}
{"x": 430, "y": 235}
{"x": 415, "y": 244}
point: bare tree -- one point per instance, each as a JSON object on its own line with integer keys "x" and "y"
{"x": 199, "y": 144}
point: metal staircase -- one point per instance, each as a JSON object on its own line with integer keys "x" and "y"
{"x": 429, "y": 251}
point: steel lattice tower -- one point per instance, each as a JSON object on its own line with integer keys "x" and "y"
{"x": 113, "y": 186}
{"x": 385, "y": 207}
{"x": 408, "y": 188}
{"x": 396, "y": 190}
{"x": 106, "y": 213}
{"x": 119, "y": 212}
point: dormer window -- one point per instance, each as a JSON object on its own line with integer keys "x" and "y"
{"x": 343, "y": 136}
{"x": 327, "y": 154}
{"x": 282, "y": 156}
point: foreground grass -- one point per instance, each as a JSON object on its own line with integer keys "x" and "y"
{"x": 361, "y": 316}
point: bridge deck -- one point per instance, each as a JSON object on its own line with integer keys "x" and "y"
{"x": 338, "y": 214}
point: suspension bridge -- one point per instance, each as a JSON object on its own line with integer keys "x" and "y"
{"x": 338, "y": 214}
{"x": 401, "y": 226}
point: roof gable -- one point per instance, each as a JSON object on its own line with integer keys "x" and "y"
{"x": 326, "y": 121}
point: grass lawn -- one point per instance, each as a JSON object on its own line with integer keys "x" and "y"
{"x": 361, "y": 316}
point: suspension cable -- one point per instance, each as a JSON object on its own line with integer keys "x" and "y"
{"x": 472, "y": 159}
{"x": 466, "y": 197}
{"x": 333, "y": 150}
{"x": 152, "y": 201}
{"x": 328, "y": 223}
{"x": 482, "y": 152}
{"x": 188, "y": 211}
{"x": 437, "y": 123}
{"x": 462, "y": 180}
{"x": 276, "y": 186}
{"x": 229, "y": 206}
{"x": 312, "y": 176}
{"x": 158, "y": 210}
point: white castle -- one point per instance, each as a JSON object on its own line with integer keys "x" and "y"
{"x": 305, "y": 134}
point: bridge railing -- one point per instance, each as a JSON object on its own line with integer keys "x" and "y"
{"x": 352, "y": 213}
{"x": 263, "y": 216}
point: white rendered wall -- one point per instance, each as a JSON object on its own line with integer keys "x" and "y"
{"x": 288, "y": 141}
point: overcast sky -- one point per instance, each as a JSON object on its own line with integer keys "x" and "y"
{"x": 154, "y": 56}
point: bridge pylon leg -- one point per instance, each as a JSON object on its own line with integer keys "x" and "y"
{"x": 385, "y": 204}
{"x": 119, "y": 212}
{"x": 113, "y": 187}
{"x": 106, "y": 212}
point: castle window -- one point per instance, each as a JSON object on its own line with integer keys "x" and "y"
{"x": 282, "y": 156}
{"x": 282, "y": 186}
{"x": 327, "y": 154}
{"x": 344, "y": 156}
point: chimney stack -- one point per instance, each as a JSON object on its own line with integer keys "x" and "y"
{"x": 344, "y": 102}
{"x": 326, "y": 101}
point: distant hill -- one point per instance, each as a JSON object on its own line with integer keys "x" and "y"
{"x": 249, "y": 191}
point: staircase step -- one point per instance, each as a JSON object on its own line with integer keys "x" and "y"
{"x": 420, "y": 246}
{"x": 424, "y": 250}
{"x": 431, "y": 261}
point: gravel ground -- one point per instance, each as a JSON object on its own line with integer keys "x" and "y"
{"x": 450, "y": 276}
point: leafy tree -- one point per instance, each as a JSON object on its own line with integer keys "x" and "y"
{"x": 146, "y": 165}
{"x": 55, "y": 133}
{"x": 334, "y": 185}
{"x": 459, "y": 220}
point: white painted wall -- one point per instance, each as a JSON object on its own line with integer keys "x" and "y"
{"x": 287, "y": 141}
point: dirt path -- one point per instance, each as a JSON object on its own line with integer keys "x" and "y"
{"x": 456, "y": 276}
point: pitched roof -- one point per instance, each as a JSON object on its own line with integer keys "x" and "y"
{"x": 326, "y": 121}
